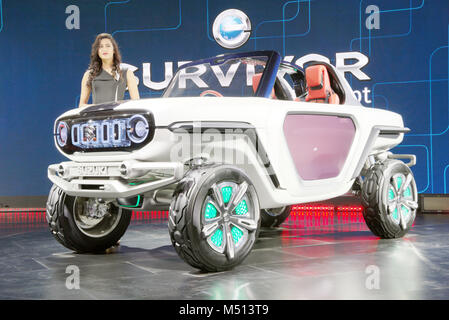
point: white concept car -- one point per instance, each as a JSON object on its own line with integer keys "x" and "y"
{"x": 234, "y": 141}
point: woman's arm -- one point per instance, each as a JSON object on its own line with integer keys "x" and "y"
{"x": 85, "y": 90}
{"x": 132, "y": 85}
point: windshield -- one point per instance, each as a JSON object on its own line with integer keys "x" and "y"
{"x": 235, "y": 77}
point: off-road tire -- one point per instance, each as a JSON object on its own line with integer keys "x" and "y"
{"x": 375, "y": 195}
{"x": 273, "y": 218}
{"x": 64, "y": 229}
{"x": 185, "y": 218}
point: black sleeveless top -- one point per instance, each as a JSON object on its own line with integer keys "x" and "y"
{"x": 106, "y": 89}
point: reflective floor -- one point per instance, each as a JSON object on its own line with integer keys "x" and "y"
{"x": 312, "y": 256}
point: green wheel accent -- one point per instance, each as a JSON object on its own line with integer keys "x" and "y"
{"x": 407, "y": 192}
{"x": 399, "y": 182}
{"x": 210, "y": 212}
{"x": 390, "y": 194}
{"x": 242, "y": 208}
{"x": 405, "y": 210}
{"x": 217, "y": 238}
{"x": 237, "y": 234}
{"x": 226, "y": 192}
{"x": 395, "y": 214}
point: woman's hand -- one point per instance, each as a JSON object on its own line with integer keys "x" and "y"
{"x": 132, "y": 85}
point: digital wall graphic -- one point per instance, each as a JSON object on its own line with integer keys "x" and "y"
{"x": 393, "y": 52}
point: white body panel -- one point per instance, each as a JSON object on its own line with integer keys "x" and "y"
{"x": 267, "y": 117}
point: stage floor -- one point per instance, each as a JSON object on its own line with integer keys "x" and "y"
{"x": 331, "y": 259}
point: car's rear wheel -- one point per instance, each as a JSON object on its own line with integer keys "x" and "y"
{"x": 390, "y": 197}
{"x": 272, "y": 218}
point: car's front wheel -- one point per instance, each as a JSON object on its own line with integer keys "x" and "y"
{"x": 214, "y": 217}
{"x": 85, "y": 224}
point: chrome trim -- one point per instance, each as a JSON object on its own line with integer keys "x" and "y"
{"x": 376, "y": 131}
{"x": 410, "y": 157}
{"x": 111, "y": 184}
{"x": 201, "y": 126}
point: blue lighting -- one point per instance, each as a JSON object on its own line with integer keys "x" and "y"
{"x": 101, "y": 134}
{"x": 231, "y": 27}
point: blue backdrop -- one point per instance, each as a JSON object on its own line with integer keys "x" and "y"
{"x": 45, "y": 47}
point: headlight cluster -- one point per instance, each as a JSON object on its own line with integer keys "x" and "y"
{"x": 113, "y": 133}
{"x": 62, "y": 133}
{"x": 137, "y": 128}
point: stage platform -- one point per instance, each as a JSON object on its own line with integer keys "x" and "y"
{"x": 314, "y": 255}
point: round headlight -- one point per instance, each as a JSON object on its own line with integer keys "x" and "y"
{"x": 141, "y": 128}
{"x": 62, "y": 133}
{"x": 138, "y": 128}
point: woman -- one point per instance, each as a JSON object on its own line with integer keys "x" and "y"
{"x": 104, "y": 78}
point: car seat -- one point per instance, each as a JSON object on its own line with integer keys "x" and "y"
{"x": 256, "y": 81}
{"x": 319, "y": 86}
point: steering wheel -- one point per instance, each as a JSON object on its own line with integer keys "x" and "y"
{"x": 212, "y": 93}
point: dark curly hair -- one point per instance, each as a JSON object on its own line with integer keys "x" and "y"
{"x": 95, "y": 61}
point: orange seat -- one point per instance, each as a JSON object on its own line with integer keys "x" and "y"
{"x": 319, "y": 86}
{"x": 256, "y": 81}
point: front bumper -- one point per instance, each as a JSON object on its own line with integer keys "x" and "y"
{"x": 113, "y": 179}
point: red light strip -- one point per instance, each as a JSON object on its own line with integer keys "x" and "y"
{"x": 326, "y": 208}
{"x": 37, "y": 215}
{"x": 319, "y": 215}
{"x": 22, "y": 217}
{"x": 2, "y": 210}
{"x": 148, "y": 215}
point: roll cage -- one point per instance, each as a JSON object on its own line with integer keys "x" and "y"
{"x": 281, "y": 80}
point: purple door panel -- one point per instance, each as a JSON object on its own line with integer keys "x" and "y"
{"x": 318, "y": 144}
